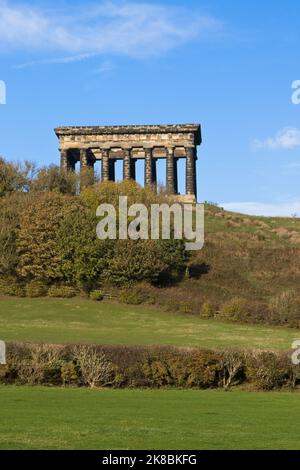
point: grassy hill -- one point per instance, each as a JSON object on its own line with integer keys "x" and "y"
{"x": 84, "y": 321}
{"x": 250, "y": 257}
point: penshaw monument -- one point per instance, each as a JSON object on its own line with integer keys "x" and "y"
{"x": 130, "y": 143}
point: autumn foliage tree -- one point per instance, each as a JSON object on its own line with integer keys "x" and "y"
{"x": 38, "y": 256}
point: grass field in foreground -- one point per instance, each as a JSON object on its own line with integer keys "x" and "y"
{"x": 53, "y": 418}
{"x": 79, "y": 320}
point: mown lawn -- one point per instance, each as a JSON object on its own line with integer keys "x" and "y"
{"x": 79, "y": 320}
{"x": 53, "y": 418}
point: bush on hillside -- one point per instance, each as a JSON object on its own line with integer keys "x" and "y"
{"x": 65, "y": 292}
{"x": 207, "y": 311}
{"x": 244, "y": 311}
{"x": 145, "y": 260}
{"x": 96, "y": 295}
{"x": 35, "y": 289}
{"x": 133, "y": 295}
{"x": 284, "y": 308}
{"x": 234, "y": 309}
{"x": 11, "y": 287}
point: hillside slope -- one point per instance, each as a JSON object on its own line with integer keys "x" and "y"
{"x": 254, "y": 258}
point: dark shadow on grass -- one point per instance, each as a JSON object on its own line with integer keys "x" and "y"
{"x": 198, "y": 270}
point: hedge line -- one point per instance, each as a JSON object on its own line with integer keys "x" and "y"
{"x": 133, "y": 366}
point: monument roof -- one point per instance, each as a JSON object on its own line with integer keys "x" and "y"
{"x": 140, "y": 129}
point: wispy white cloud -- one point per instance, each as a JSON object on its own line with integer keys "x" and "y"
{"x": 287, "y": 138}
{"x": 280, "y": 209}
{"x": 56, "y": 60}
{"x": 118, "y": 27}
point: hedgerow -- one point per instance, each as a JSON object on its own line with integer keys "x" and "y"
{"x": 149, "y": 366}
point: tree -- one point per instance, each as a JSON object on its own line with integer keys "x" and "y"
{"x": 15, "y": 177}
{"x": 52, "y": 179}
{"x": 11, "y": 207}
{"x": 83, "y": 256}
{"x": 37, "y": 237}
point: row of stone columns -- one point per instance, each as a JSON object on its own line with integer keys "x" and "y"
{"x": 108, "y": 167}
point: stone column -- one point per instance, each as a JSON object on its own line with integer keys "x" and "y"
{"x": 105, "y": 160}
{"x": 86, "y": 169}
{"x": 126, "y": 164}
{"x": 83, "y": 159}
{"x": 148, "y": 167}
{"x": 170, "y": 171}
{"x": 91, "y": 165}
{"x": 64, "y": 163}
{"x": 191, "y": 171}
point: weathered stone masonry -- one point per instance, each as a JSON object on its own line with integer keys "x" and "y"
{"x": 130, "y": 143}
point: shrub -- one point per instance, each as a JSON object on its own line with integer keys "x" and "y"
{"x": 96, "y": 295}
{"x": 133, "y": 295}
{"x": 190, "y": 368}
{"x": 284, "y": 308}
{"x": 207, "y": 311}
{"x": 35, "y": 289}
{"x": 70, "y": 373}
{"x": 232, "y": 367}
{"x": 96, "y": 370}
{"x": 35, "y": 364}
{"x": 268, "y": 370}
{"x": 185, "y": 307}
{"x": 244, "y": 310}
{"x": 234, "y": 309}
{"x": 10, "y": 286}
{"x": 65, "y": 292}
{"x": 199, "y": 368}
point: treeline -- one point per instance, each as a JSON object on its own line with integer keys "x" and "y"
{"x": 149, "y": 366}
{"x": 48, "y": 234}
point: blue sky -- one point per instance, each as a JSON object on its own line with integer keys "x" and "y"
{"x": 224, "y": 63}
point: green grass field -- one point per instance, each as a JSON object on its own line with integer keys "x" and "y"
{"x": 50, "y": 418}
{"x": 80, "y": 320}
